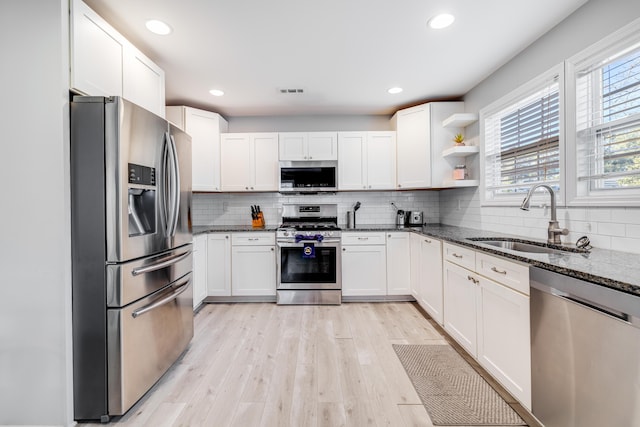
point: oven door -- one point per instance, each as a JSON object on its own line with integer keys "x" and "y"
{"x": 299, "y": 271}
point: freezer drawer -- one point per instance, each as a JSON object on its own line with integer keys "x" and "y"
{"x": 144, "y": 339}
{"x": 130, "y": 281}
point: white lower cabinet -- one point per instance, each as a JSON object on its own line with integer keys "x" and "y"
{"x": 429, "y": 271}
{"x": 398, "y": 263}
{"x": 218, "y": 264}
{"x": 460, "y": 306}
{"x": 504, "y": 347}
{"x": 253, "y": 264}
{"x": 486, "y": 310}
{"x": 364, "y": 264}
{"x": 199, "y": 269}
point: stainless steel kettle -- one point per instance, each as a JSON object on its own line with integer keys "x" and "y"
{"x": 401, "y": 218}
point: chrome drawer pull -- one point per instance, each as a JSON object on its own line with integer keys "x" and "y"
{"x": 498, "y": 271}
{"x": 456, "y": 255}
{"x": 427, "y": 240}
{"x": 474, "y": 280}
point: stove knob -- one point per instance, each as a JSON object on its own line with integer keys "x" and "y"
{"x": 329, "y": 233}
{"x": 286, "y": 233}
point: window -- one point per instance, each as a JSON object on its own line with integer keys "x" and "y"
{"x": 522, "y": 140}
{"x": 606, "y": 140}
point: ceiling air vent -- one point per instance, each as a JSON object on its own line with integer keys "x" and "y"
{"x": 291, "y": 91}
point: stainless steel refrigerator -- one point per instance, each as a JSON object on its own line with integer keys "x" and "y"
{"x": 131, "y": 244}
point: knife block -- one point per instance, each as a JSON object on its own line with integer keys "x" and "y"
{"x": 259, "y": 221}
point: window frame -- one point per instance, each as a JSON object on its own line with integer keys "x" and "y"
{"x": 576, "y": 194}
{"x": 536, "y": 84}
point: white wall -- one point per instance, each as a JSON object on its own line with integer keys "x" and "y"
{"x": 305, "y": 123}
{"x": 617, "y": 228}
{"x": 35, "y": 296}
{"x": 234, "y": 209}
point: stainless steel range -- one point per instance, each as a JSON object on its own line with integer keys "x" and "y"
{"x": 309, "y": 259}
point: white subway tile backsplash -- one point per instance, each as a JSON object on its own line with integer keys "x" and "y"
{"x": 625, "y": 244}
{"x": 611, "y": 229}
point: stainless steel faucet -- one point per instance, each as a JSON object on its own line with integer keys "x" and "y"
{"x": 554, "y": 231}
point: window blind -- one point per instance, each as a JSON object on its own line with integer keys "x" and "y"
{"x": 522, "y": 139}
{"x": 608, "y": 122}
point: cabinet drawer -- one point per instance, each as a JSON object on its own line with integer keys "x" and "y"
{"x": 253, "y": 238}
{"x": 508, "y": 273}
{"x": 351, "y": 238}
{"x": 459, "y": 255}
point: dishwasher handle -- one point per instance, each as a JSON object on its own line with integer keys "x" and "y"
{"x": 594, "y": 306}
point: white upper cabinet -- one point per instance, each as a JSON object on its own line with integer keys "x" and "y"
{"x": 104, "y": 63}
{"x": 420, "y": 142}
{"x": 97, "y": 52}
{"x": 308, "y": 146}
{"x": 205, "y": 128}
{"x": 249, "y": 162}
{"x": 367, "y": 160}
{"x": 143, "y": 81}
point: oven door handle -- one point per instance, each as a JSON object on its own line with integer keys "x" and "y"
{"x": 324, "y": 243}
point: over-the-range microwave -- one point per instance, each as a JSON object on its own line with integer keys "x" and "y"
{"x": 308, "y": 176}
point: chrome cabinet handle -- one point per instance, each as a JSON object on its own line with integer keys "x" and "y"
{"x": 363, "y": 238}
{"x": 474, "y": 280}
{"x": 427, "y": 240}
{"x": 272, "y": 249}
{"x": 498, "y": 271}
{"x": 456, "y": 255}
{"x": 344, "y": 249}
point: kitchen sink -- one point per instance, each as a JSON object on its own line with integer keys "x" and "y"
{"x": 519, "y": 245}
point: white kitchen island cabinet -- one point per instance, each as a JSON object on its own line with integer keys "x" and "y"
{"x": 205, "y": 128}
{"x": 249, "y": 162}
{"x": 364, "y": 264}
{"x": 253, "y": 261}
{"x": 421, "y": 138}
{"x": 367, "y": 160}
{"x": 104, "y": 63}
{"x": 314, "y": 146}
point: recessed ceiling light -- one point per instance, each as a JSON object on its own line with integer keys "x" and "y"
{"x": 158, "y": 27}
{"x": 441, "y": 21}
{"x": 395, "y": 90}
{"x": 216, "y": 92}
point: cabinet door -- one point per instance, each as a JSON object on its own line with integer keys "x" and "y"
{"x": 253, "y": 270}
{"x": 204, "y": 128}
{"x": 460, "y": 295}
{"x": 350, "y": 166}
{"x": 143, "y": 81}
{"x": 398, "y": 264}
{"x": 264, "y": 157}
{"x": 236, "y": 170}
{"x": 504, "y": 347}
{"x": 199, "y": 269}
{"x": 97, "y": 52}
{"x": 292, "y": 146}
{"x": 322, "y": 146}
{"x": 218, "y": 265}
{"x": 415, "y": 265}
{"x": 380, "y": 160}
{"x": 431, "y": 291}
{"x": 413, "y": 147}
{"x": 364, "y": 270}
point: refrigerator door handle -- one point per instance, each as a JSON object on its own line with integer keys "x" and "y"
{"x": 176, "y": 186}
{"x": 165, "y": 262}
{"x": 162, "y": 301}
{"x": 166, "y": 182}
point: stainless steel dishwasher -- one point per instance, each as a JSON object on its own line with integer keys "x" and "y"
{"x": 585, "y": 361}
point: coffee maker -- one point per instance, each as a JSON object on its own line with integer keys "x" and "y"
{"x": 401, "y": 218}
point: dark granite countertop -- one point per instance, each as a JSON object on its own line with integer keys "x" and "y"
{"x": 201, "y": 229}
{"x": 613, "y": 269}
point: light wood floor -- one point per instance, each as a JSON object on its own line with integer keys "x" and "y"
{"x": 268, "y": 365}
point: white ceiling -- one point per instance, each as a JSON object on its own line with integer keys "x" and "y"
{"x": 345, "y": 54}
